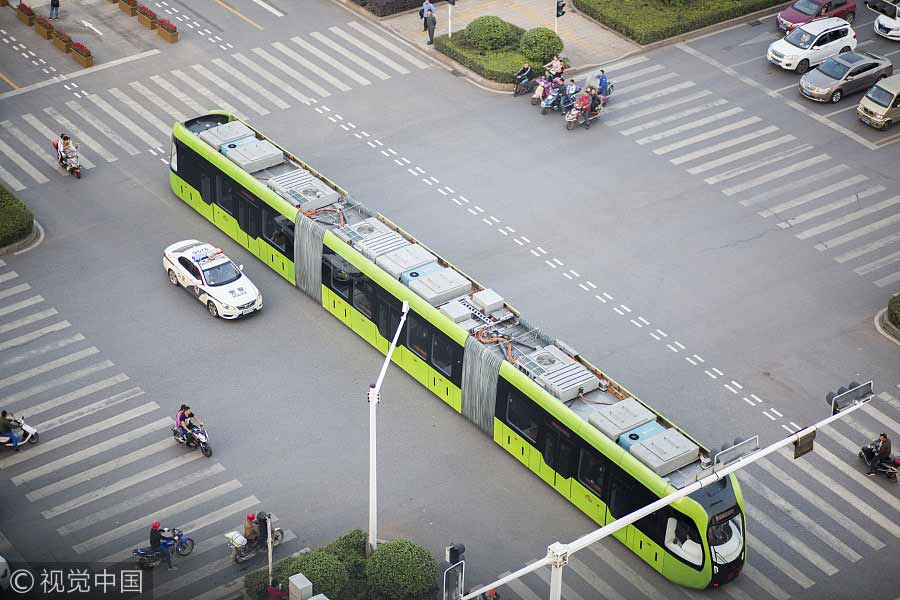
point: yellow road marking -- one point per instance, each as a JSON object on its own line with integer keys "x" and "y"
{"x": 9, "y": 81}
{"x": 233, "y": 11}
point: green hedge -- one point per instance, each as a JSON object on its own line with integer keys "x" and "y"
{"x": 16, "y": 221}
{"x": 647, "y": 21}
{"x": 893, "y": 313}
{"x": 488, "y": 33}
{"x": 540, "y": 45}
{"x": 401, "y": 570}
{"x": 497, "y": 65}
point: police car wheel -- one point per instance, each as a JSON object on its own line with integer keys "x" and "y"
{"x": 211, "y": 307}
{"x": 173, "y": 279}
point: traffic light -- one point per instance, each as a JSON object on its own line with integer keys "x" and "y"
{"x": 560, "y": 7}
{"x": 451, "y": 2}
{"x": 848, "y": 396}
{"x": 455, "y": 553}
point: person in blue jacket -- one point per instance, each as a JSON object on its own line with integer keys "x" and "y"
{"x": 602, "y": 82}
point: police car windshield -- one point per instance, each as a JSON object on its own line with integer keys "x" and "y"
{"x": 221, "y": 274}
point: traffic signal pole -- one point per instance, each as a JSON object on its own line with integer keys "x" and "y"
{"x": 558, "y": 554}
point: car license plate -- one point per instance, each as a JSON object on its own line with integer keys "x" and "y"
{"x": 782, "y": 26}
{"x": 865, "y": 120}
{"x": 247, "y": 311}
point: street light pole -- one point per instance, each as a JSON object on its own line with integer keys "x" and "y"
{"x": 449, "y": 20}
{"x": 373, "y": 397}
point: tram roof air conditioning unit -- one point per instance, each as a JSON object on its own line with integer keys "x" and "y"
{"x": 225, "y": 134}
{"x": 559, "y": 373}
{"x": 357, "y": 232}
{"x": 302, "y": 189}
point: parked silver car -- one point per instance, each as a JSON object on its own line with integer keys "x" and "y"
{"x": 844, "y": 74}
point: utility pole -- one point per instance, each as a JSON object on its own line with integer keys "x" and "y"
{"x": 847, "y": 400}
{"x": 450, "y": 5}
{"x": 374, "y": 396}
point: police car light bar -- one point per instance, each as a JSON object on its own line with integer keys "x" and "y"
{"x": 208, "y": 256}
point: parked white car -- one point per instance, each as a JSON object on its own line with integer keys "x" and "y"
{"x": 812, "y": 43}
{"x": 212, "y": 278}
{"x": 888, "y": 28}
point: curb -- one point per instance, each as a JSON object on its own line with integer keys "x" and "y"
{"x": 16, "y": 247}
{"x": 886, "y": 328}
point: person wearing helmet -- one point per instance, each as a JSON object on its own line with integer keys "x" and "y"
{"x": 161, "y": 540}
{"x": 251, "y": 530}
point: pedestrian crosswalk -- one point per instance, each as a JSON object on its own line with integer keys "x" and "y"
{"x": 819, "y": 200}
{"x": 127, "y": 121}
{"x": 101, "y": 469}
{"x": 808, "y": 521}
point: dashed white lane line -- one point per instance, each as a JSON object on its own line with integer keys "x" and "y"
{"x": 711, "y": 374}
{"x": 690, "y": 360}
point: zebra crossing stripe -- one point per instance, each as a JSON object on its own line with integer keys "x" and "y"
{"x": 279, "y": 83}
{"x": 522, "y": 590}
{"x": 883, "y": 420}
{"x": 730, "y": 158}
{"x": 86, "y": 431}
{"x": 36, "y": 335}
{"x": 790, "y": 510}
{"x": 594, "y": 580}
{"x": 619, "y": 566}
{"x": 125, "y": 121}
{"x": 832, "y": 206}
{"x": 93, "y": 473}
{"x": 44, "y": 153}
{"x": 172, "y": 487}
{"x": 7, "y": 276}
{"x": 309, "y": 84}
{"x": 761, "y": 519}
{"x": 178, "y": 95}
{"x": 157, "y": 101}
{"x": 684, "y": 85}
{"x": 857, "y": 233}
{"x": 849, "y": 218}
{"x": 138, "y": 524}
{"x": 798, "y": 184}
{"x": 311, "y": 67}
{"x": 779, "y": 563}
{"x": 251, "y": 84}
{"x": 660, "y": 107}
{"x": 814, "y": 195}
{"x": 754, "y": 575}
{"x": 79, "y": 134}
{"x": 778, "y": 157}
{"x": 652, "y": 81}
{"x": 706, "y": 135}
{"x": 81, "y": 412}
{"x": 878, "y": 264}
{"x": 10, "y": 179}
{"x": 139, "y": 110}
{"x": 368, "y": 50}
{"x": 689, "y": 126}
{"x": 700, "y": 108}
{"x": 870, "y": 247}
{"x": 11, "y": 308}
{"x": 102, "y": 127}
{"x": 350, "y": 56}
{"x": 32, "y": 318}
{"x": 634, "y": 74}
{"x": 83, "y": 391}
{"x": 90, "y": 451}
{"x": 393, "y": 48}
{"x": 46, "y": 367}
{"x": 625, "y": 63}
{"x": 22, "y": 163}
{"x": 16, "y": 289}
{"x": 331, "y": 61}
{"x": 260, "y": 110}
{"x": 217, "y": 102}
{"x": 567, "y": 592}
{"x": 889, "y": 280}
{"x": 51, "y": 137}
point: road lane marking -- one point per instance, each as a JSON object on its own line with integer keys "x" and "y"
{"x": 34, "y": 335}
{"x": 619, "y": 566}
{"x": 46, "y": 367}
{"x": 309, "y": 84}
{"x": 63, "y": 440}
{"x": 849, "y": 218}
{"x": 778, "y": 157}
{"x": 80, "y": 392}
{"x": 130, "y": 125}
{"x": 16, "y": 289}
{"x": 94, "y": 472}
{"x": 269, "y": 8}
{"x": 754, "y": 575}
{"x": 204, "y": 91}
{"x": 369, "y": 50}
{"x": 649, "y": 82}
{"x": 696, "y": 139}
{"x": 779, "y": 563}
{"x": 157, "y": 101}
{"x": 730, "y": 158}
{"x": 289, "y": 52}
{"x": 796, "y": 184}
{"x": 251, "y": 84}
{"x": 813, "y": 195}
{"x": 684, "y": 85}
{"x": 857, "y": 233}
{"x": 704, "y": 107}
{"x": 689, "y": 126}
{"x": 331, "y": 61}
{"x": 81, "y": 412}
{"x": 889, "y": 280}
{"x": 4, "y": 277}
{"x": 248, "y": 101}
{"x": 23, "y": 164}
{"x": 41, "y": 152}
{"x": 625, "y": 63}
{"x": 594, "y": 580}
{"x": 140, "y": 111}
{"x": 633, "y": 74}
{"x": 164, "y": 513}
{"x": 80, "y": 135}
{"x": 870, "y": 247}
{"x": 832, "y": 206}
{"x": 660, "y": 107}
{"x": 32, "y": 318}
{"x": 279, "y": 83}
{"x": 102, "y": 127}
{"x": 11, "y": 179}
{"x": 235, "y": 13}
{"x": 381, "y": 40}
{"x": 350, "y": 56}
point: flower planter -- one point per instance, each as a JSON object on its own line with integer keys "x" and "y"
{"x": 127, "y": 8}
{"x": 26, "y": 19}
{"x": 62, "y": 45}
{"x": 4, "y": 2}
{"x": 44, "y": 32}
{"x": 146, "y": 21}
{"x": 169, "y": 37}
{"x": 84, "y": 61}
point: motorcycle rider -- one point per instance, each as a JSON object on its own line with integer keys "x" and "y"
{"x": 602, "y": 82}
{"x": 7, "y": 428}
{"x": 583, "y": 104}
{"x": 882, "y": 453}
{"x": 63, "y": 146}
{"x": 161, "y": 541}
{"x": 251, "y": 530}
{"x": 185, "y": 420}
{"x": 555, "y": 67}
{"x": 261, "y": 522}
{"x": 523, "y": 76}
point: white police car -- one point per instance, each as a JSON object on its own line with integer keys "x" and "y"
{"x": 212, "y": 278}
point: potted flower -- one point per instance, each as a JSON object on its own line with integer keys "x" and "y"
{"x": 129, "y": 7}
{"x": 167, "y": 30}
{"x": 82, "y": 55}
{"x": 4, "y": 2}
{"x": 146, "y": 17}
{"x": 62, "y": 40}
{"x": 43, "y": 27}
{"x": 25, "y": 14}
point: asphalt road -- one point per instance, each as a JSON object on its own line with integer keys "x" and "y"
{"x": 669, "y": 279}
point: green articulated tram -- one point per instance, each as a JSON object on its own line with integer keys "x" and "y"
{"x": 570, "y": 423}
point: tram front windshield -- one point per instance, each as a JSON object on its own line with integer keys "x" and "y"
{"x": 726, "y": 536}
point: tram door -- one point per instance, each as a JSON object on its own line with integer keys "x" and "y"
{"x": 558, "y": 449}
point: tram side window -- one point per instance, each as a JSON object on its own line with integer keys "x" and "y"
{"x": 592, "y": 468}
{"x": 388, "y": 316}
{"x": 446, "y": 355}
{"x": 682, "y": 538}
{"x": 327, "y": 254}
{"x": 418, "y": 336}
{"x": 626, "y": 495}
{"x": 248, "y": 210}
{"x": 188, "y": 166}
{"x": 341, "y": 277}
{"x": 273, "y": 231}
{"x": 522, "y": 414}
{"x": 364, "y": 296}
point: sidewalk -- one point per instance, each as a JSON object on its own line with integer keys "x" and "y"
{"x": 586, "y": 42}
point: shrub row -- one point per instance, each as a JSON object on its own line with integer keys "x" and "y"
{"x": 16, "y": 221}
{"x": 893, "y": 313}
{"x": 398, "y": 570}
{"x": 383, "y": 8}
{"x": 647, "y": 21}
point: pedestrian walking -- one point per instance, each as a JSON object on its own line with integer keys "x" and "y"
{"x": 430, "y": 24}
{"x": 54, "y": 9}
{"x": 423, "y": 13}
